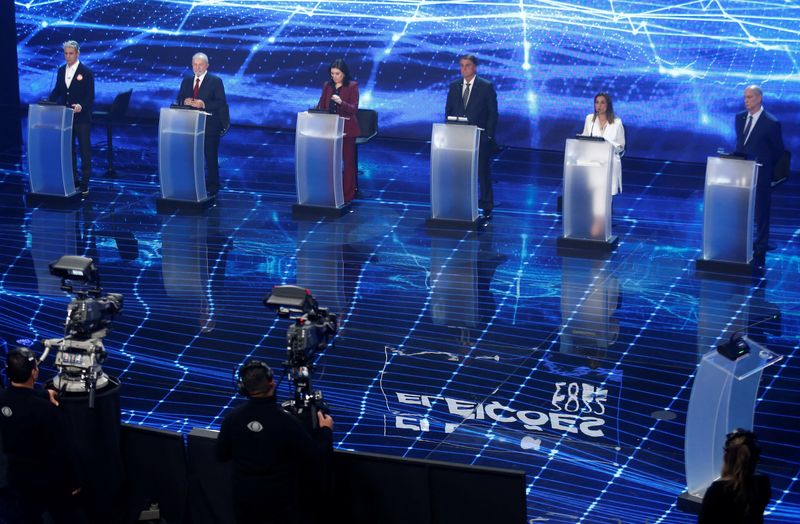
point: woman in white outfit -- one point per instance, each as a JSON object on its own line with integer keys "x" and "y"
{"x": 604, "y": 123}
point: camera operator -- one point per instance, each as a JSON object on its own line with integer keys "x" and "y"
{"x": 276, "y": 460}
{"x": 41, "y": 472}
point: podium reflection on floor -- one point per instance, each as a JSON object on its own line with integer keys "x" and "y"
{"x": 53, "y": 234}
{"x": 461, "y": 275}
{"x": 192, "y": 247}
{"x": 330, "y": 258}
{"x": 590, "y": 295}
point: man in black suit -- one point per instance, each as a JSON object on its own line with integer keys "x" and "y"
{"x": 75, "y": 88}
{"x": 206, "y": 91}
{"x": 758, "y": 135}
{"x": 475, "y": 98}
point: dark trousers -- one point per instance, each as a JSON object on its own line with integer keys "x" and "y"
{"x": 762, "y": 211}
{"x": 212, "y": 155}
{"x": 81, "y": 133}
{"x": 485, "y": 192}
{"x": 350, "y": 168}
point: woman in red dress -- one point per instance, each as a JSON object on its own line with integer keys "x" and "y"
{"x": 340, "y": 96}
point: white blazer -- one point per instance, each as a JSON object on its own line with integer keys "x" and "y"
{"x": 615, "y": 134}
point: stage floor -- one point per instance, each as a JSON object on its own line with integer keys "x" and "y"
{"x": 449, "y": 345}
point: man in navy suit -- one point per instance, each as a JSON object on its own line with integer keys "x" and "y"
{"x": 758, "y": 135}
{"x": 475, "y": 98}
{"x": 206, "y": 91}
{"x": 75, "y": 88}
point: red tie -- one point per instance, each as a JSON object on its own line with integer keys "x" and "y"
{"x": 196, "y": 86}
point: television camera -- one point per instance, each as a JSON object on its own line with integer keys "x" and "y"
{"x": 312, "y": 329}
{"x": 80, "y": 353}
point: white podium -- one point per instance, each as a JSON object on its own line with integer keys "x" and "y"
{"x": 587, "y": 195}
{"x": 318, "y": 165}
{"x": 728, "y": 210}
{"x": 454, "y": 176}
{"x": 723, "y": 398}
{"x": 50, "y": 152}
{"x": 181, "y": 161}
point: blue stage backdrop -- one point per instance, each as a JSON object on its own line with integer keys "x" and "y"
{"x": 676, "y": 70}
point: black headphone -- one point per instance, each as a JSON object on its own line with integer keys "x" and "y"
{"x": 250, "y": 365}
{"x": 746, "y": 438}
{"x": 29, "y": 359}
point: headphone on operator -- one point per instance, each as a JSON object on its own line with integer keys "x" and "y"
{"x": 28, "y": 358}
{"x": 742, "y": 437}
{"x": 250, "y": 365}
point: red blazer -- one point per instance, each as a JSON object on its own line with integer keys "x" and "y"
{"x": 348, "y": 108}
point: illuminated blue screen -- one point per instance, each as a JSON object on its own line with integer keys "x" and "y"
{"x": 676, "y": 71}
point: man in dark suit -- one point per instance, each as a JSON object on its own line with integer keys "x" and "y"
{"x": 206, "y": 91}
{"x": 758, "y": 135}
{"x": 75, "y": 88}
{"x": 475, "y": 98}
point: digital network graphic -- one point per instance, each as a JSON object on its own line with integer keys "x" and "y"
{"x": 676, "y": 70}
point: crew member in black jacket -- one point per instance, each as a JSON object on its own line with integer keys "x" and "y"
{"x": 205, "y": 91}
{"x": 75, "y": 88}
{"x": 474, "y": 97}
{"x": 41, "y": 469}
{"x": 276, "y": 460}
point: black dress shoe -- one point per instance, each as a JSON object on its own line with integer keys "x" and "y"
{"x": 487, "y": 215}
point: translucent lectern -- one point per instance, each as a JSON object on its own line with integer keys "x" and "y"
{"x": 318, "y": 165}
{"x": 728, "y": 206}
{"x": 50, "y": 152}
{"x": 587, "y": 195}
{"x": 454, "y": 175}
{"x": 181, "y": 161}
{"x": 723, "y": 398}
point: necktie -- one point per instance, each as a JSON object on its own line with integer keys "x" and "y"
{"x": 747, "y": 128}
{"x": 196, "y": 87}
{"x": 465, "y": 96}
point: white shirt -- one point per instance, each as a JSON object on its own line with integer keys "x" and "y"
{"x": 69, "y": 72}
{"x": 753, "y": 123}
